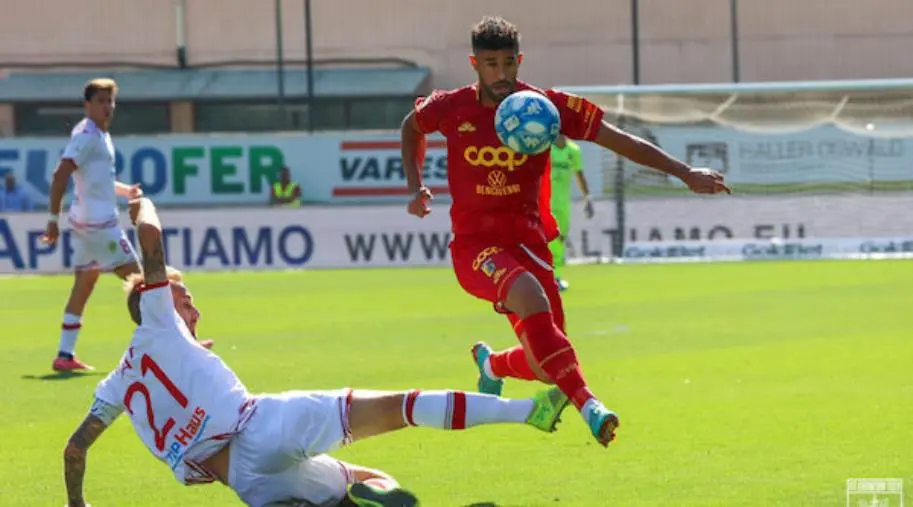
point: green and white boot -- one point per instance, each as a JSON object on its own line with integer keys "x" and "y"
{"x": 547, "y": 407}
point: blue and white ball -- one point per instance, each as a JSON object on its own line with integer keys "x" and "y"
{"x": 527, "y": 122}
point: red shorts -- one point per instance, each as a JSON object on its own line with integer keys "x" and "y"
{"x": 487, "y": 270}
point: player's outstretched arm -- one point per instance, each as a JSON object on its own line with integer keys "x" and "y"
{"x": 641, "y": 151}
{"x": 74, "y": 457}
{"x": 149, "y": 236}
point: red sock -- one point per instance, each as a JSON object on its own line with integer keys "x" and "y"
{"x": 556, "y": 356}
{"x": 511, "y": 363}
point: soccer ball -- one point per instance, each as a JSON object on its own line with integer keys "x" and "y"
{"x": 527, "y": 122}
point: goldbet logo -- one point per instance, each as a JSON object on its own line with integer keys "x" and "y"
{"x": 489, "y": 157}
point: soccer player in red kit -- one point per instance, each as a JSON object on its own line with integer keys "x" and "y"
{"x": 500, "y": 213}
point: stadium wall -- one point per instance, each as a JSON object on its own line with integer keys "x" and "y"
{"x": 386, "y": 236}
{"x": 588, "y": 43}
{"x": 360, "y": 167}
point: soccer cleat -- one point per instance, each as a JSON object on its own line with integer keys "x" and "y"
{"x": 486, "y": 384}
{"x": 547, "y": 407}
{"x": 365, "y": 495}
{"x": 63, "y": 364}
{"x": 602, "y": 422}
{"x": 562, "y": 285}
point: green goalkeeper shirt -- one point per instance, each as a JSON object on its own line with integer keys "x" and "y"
{"x": 565, "y": 163}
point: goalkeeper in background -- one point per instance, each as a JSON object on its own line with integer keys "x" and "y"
{"x": 566, "y": 160}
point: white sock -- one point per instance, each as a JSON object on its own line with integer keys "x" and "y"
{"x": 456, "y": 410}
{"x": 69, "y": 333}
{"x": 486, "y": 367}
{"x": 586, "y": 407}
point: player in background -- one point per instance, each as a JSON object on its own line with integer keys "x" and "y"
{"x": 501, "y": 222}
{"x": 194, "y": 414}
{"x": 565, "y": 161}
{"x": 99, "y": 244}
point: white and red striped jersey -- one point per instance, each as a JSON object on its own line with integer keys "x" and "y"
{"x": 95, "y": 202}
{"x": 184, "y": 402}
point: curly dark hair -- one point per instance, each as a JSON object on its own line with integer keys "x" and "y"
{"x": 494, "y": 33}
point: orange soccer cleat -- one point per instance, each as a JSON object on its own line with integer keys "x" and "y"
{"x": 65, "y": 364}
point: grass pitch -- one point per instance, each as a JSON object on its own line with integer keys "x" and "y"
{"x": 737, "y": 384}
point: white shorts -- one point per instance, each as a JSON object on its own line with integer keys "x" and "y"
{"x": 105, "y": 249}
{"x": 279, "y": 457}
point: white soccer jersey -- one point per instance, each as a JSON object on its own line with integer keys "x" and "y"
{"x": 92, "y": 150}
{"x": 183, "y": 401}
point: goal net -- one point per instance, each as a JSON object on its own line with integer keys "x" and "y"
{"x": 818, "y": 170}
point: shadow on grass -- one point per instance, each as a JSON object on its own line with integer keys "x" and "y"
{"x": 63, "y": 375}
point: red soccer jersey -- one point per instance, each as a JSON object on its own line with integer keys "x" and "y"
{"x": 495, "y": 191}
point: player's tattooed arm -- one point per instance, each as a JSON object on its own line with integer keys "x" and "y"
{"x": 640, "y": 150}
{"x": 699, "y": 180}
{"x": 414, "y": 146}
{"x": 149, "y": 235}
{"x": 412, "y": 149}
{"x": 74, "y": 457}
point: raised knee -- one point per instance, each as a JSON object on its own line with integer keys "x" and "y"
{"x": 526, "y": 296}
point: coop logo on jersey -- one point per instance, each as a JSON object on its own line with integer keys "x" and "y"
{"x": 489, "y": 157}
{"x": 187, "y": 436}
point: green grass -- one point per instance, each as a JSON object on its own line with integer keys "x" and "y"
{"x": 751, "y": 384}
